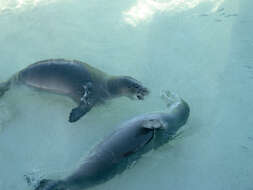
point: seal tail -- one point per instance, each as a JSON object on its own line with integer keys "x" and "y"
{"x": 48, "y": 184}
{"x": 4, "y": 86}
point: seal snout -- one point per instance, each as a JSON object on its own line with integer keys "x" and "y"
{"x": 133, "y": 88}
{"x": 141, "y": 92}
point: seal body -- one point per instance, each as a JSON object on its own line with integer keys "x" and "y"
{"x": 86, "y": 85}
{"x": 125, "y": 145}
{"x": 64, "y": 77}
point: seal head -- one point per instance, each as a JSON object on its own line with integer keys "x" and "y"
{"x": 126, "y": 86}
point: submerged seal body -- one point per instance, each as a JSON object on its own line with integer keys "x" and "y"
{"x": 125, "y": 145}
{"x": 86, "y": 85}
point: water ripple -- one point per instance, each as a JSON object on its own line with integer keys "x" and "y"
{"x": 7, "y": 6}
{"x": 145, "y": 9}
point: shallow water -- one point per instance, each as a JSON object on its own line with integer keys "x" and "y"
{"x": 200, "y": 49}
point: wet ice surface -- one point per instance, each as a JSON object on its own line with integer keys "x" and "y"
{"x": 198, "y": 53}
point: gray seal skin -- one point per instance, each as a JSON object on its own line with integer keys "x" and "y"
{"x": 86, "y": 85}
{"x": 124, "y": 146}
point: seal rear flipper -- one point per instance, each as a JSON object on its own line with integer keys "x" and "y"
{"x": 4, "y": 86}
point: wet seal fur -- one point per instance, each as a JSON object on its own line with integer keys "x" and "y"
{"x": 86, "y": 85}
{"x": 124, "y": 146}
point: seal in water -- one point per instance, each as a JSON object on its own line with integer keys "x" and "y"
{"x": 124, "y": 146}
{"x": 86, "y": 85}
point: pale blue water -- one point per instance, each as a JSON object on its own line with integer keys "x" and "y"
{"x": 200, "y": 49}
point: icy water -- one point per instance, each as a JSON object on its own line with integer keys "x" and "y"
{"x": 200, "y": 49}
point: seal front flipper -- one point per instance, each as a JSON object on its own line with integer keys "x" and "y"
{"x": 79, "y": 111}
{"x": 146, "y": 132}
{"x": 86, "y": 103}
{"x": 47, "y": 184}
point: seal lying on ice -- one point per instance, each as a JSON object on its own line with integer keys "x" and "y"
{"x": 86, "y": 85}
{"x": 125, "y": 145}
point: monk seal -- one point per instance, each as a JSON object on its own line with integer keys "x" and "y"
{"x": 86, "y": 85}
{"x": 124, "y": 146}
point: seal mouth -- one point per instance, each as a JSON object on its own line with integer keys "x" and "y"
{"x": 141, "y": 93}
